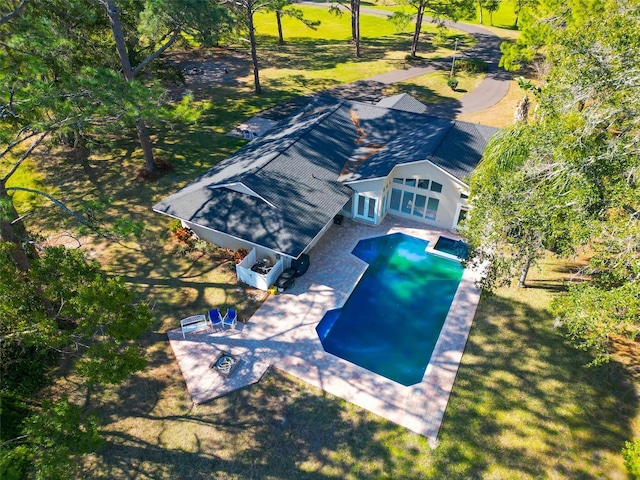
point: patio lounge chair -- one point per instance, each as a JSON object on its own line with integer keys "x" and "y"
{"x": 230, "y": 319}
{"x": 215, "y": 318}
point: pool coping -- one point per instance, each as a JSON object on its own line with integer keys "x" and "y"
{"x": 282, "y": 334}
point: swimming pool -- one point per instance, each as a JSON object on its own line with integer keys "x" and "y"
{"x": 453, "y": 247}
{"x": 391, "y": 322}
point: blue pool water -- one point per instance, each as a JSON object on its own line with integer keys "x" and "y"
{"x": 391, "y": 322}
{"x": 452, "y": 247}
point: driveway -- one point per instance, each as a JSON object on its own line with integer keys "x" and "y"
{"x": 490, "y": 91}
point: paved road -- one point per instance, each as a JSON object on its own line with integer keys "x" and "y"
{"x": 490, "y": 91}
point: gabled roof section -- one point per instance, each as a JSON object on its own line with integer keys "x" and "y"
{"x": 280, "y": 190}
{"x": 403, "y": 101}
{"x": 396, "y": 136}
{"x": 462, "y": 149}
{"x": 290, "y": 189}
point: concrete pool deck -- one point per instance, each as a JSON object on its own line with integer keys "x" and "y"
{"x": 282, "y": 334}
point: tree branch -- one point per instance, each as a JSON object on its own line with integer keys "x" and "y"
{"x": 158, "y": 52}
{"x": 58, "y": 203}
{"x": 21, "y": 437}
{"x": 15, "y": 13}
{"x": 17, "y": 141}
{"x": 24, "y": 155}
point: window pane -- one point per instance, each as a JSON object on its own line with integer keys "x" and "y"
{"x": 371, "y": 213}
{"x": 360, "y": 205}
{"x": 411, "y": 182}
{"x": 418, "y": 209}
{"x": 395, "y": 199}
{"x": 407, "y": 202}
{"x": 463, "y": 213}
{"x": 398, "y": 180}
{"x": 432, "y": 208}
{"x": 464, "y": 195}
{"x": 423, "y": 184}
{"x": 436, "y": 187}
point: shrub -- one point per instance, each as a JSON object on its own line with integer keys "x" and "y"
{"x": 124, "y": 227}
{"x": 239, "y": 255}
{"x": 631, "y": 455}
{"x": 174, "y": 225}
{"x": 183, "y": 234}
{"x": 470, "y": 65}
{"x": 452, "y": 82}
{"x": 205, "y": 247}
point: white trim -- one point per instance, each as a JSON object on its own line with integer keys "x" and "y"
{"x": 457, "y": 215}
{"x": 397, "y": 165}
{"x": 365, "y": 217}
{"x": 246, "y": 190}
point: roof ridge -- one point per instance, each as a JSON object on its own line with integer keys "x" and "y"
{"x": 290, "y": 142}
{"x": 442, "y": 139}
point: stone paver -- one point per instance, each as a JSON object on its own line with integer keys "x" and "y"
{"x": 282, "y": 334}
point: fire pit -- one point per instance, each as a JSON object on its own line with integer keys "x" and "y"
{"x": 225, "y": 364}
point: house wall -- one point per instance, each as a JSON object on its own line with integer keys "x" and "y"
{"x": 416, "y": 204}
{"x": 449, "y": 198}
{"x": 369, "y": 189}
{"x": 226, "y": 241}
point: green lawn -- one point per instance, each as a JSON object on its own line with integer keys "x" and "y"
{"x": 504, "y": 17}
{"x": 523, "y": 405}
{"x": 433, "y": 88}
{"x": 322, "y": 58}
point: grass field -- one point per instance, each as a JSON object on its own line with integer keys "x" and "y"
{"x": 523, "y": 405}
{"x": 504, "y": 17}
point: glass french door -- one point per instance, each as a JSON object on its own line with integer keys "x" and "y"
{"x": 365, "y": 208}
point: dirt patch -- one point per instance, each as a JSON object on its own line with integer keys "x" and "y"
{"x": 201, "y": 69}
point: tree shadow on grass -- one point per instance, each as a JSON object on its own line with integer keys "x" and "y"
{"x": 279, "y": 428}
{"x": 525, "y": 399}
{"x": 304, "y": 53}
{"x": 523, "y": 405}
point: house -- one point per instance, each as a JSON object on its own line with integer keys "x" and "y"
{"x": 277, "y": 195}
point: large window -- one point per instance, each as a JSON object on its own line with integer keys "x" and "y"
{"x": 418, "y": 208}
{"x": 432, "y": 208}
{"x": 396, "y": 195}
{"x": 407, "y": 202}
{"x": 461, "y": 215}
{"x": 409, "y": 196}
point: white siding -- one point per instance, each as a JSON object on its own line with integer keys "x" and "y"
{"x": 449, "y": 198}
{"x": 372, "y": 189}
{"x": 226, "y": 241}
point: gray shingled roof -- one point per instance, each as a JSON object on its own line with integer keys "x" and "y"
{"x": 403, "y": 101}
{"x": 298, "y": 170}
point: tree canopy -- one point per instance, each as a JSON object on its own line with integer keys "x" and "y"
{"x": 438, "y": 10}
{"x": 568, "y": 179}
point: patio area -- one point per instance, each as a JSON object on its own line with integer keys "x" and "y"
{"x": 282, "y": 334}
